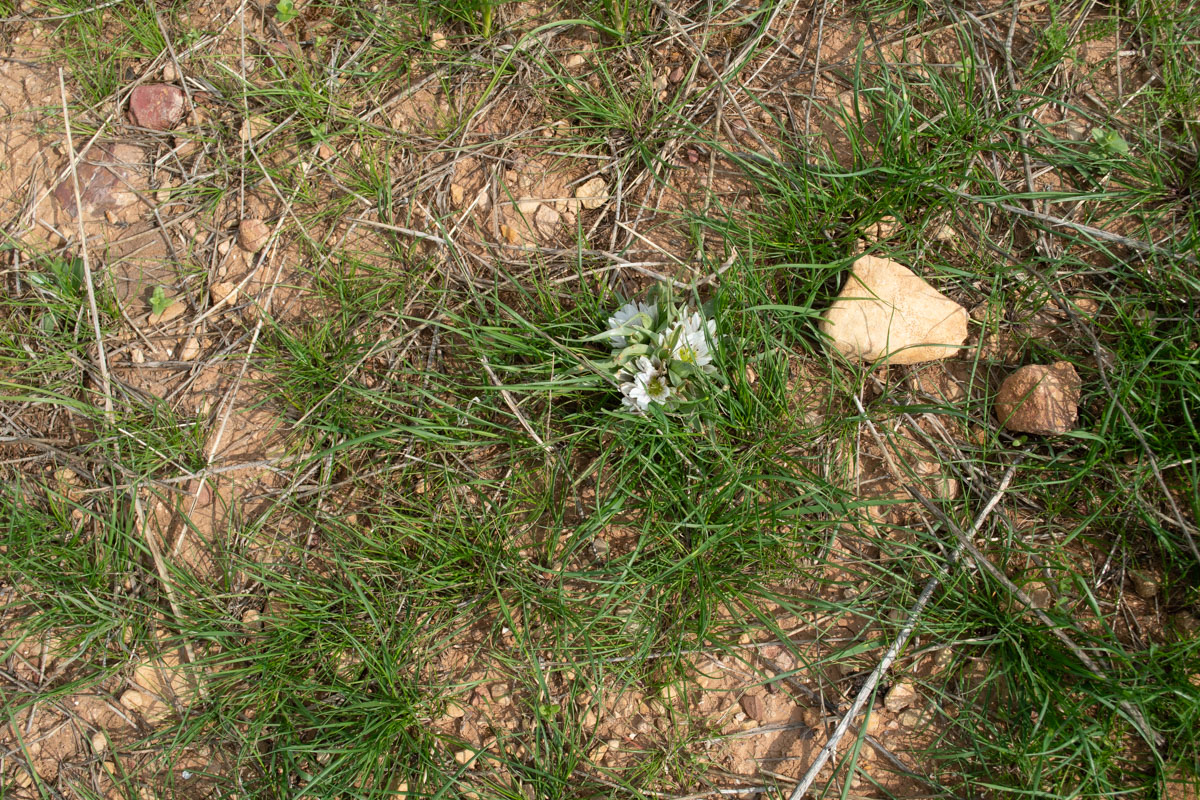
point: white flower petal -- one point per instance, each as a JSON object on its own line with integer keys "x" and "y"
{"x": 626, "y": 314}
{"x": 690, "y": 344}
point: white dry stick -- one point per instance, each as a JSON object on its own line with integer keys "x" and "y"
{"x": 512, "y": 406}
{"x": 164, "y": 578}
{"x": 422, "y": 235}
{"x": 214, "y": 444}
{"x": 105, "y": 385}
{"x": 719, "y": 271}
{"x": 267, "y": 252}
{"x": 965, "y": 542}
{"x": 1096, "y": 233}
{"x": 931, "y": 586}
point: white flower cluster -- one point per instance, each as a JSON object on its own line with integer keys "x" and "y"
{"x": 659, "y": 351}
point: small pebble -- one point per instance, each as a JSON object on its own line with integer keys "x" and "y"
{"x": 189, "y": 349}
{"x": 254, "y": 127}
{"x": 1075, "y": 130}
{"x": 1040, "y": 594}
{"x": 1145, "y": 585}
{"x": 157, "y": 106}
{"x": 133, "y": 699}
{"x": 753, "y": 706}
{"x": 252, "y": 234}
{"x": 1086, "y": 306}
{"x": 593, "y": 193}
{"x": 601, "y": 548}
{"x": 221, "y": 291}
{"x": 1041, "y": 399}
{"x": 171, "y": 312}
{"x": 900, "y": 697}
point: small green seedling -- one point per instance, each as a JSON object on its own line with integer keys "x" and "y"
{"x": 1111, "y": 142}
{"x": 476, "y": 13}
{"x": 285, "y": 11}
{"x": 159, "y": 302}
{"x": 618, "y": 12}
{"x": 65, "y": 278}
{"x": 485, "y": 12}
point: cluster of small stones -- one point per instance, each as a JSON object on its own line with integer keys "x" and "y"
{"x": 887, "y": 313}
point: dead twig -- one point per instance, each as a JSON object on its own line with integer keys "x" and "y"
{"x": 868, "y": 688}
{"x": 821, "y": 701}
{"x": 428, "y": 237}
{"x": 966, "y": 542}
{"x": 105, "y": 383}
{"x": 164, "y": 577}
{"x": 1135, "y": 716}
{"x": 1151, "y": 459}
{"x": 1096, "y": 233}
{"x": 512, "y": 406}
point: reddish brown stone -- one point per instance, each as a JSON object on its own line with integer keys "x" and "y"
{"x": 157, "y": 106}
{"x": 1040, "y": 399}
{"x": 752, "y": 704}
{"x": 252, "y": 235}
{"x": 108, "y": 180}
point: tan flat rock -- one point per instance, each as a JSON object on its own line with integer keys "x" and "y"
{"x": 886, "y": 312}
